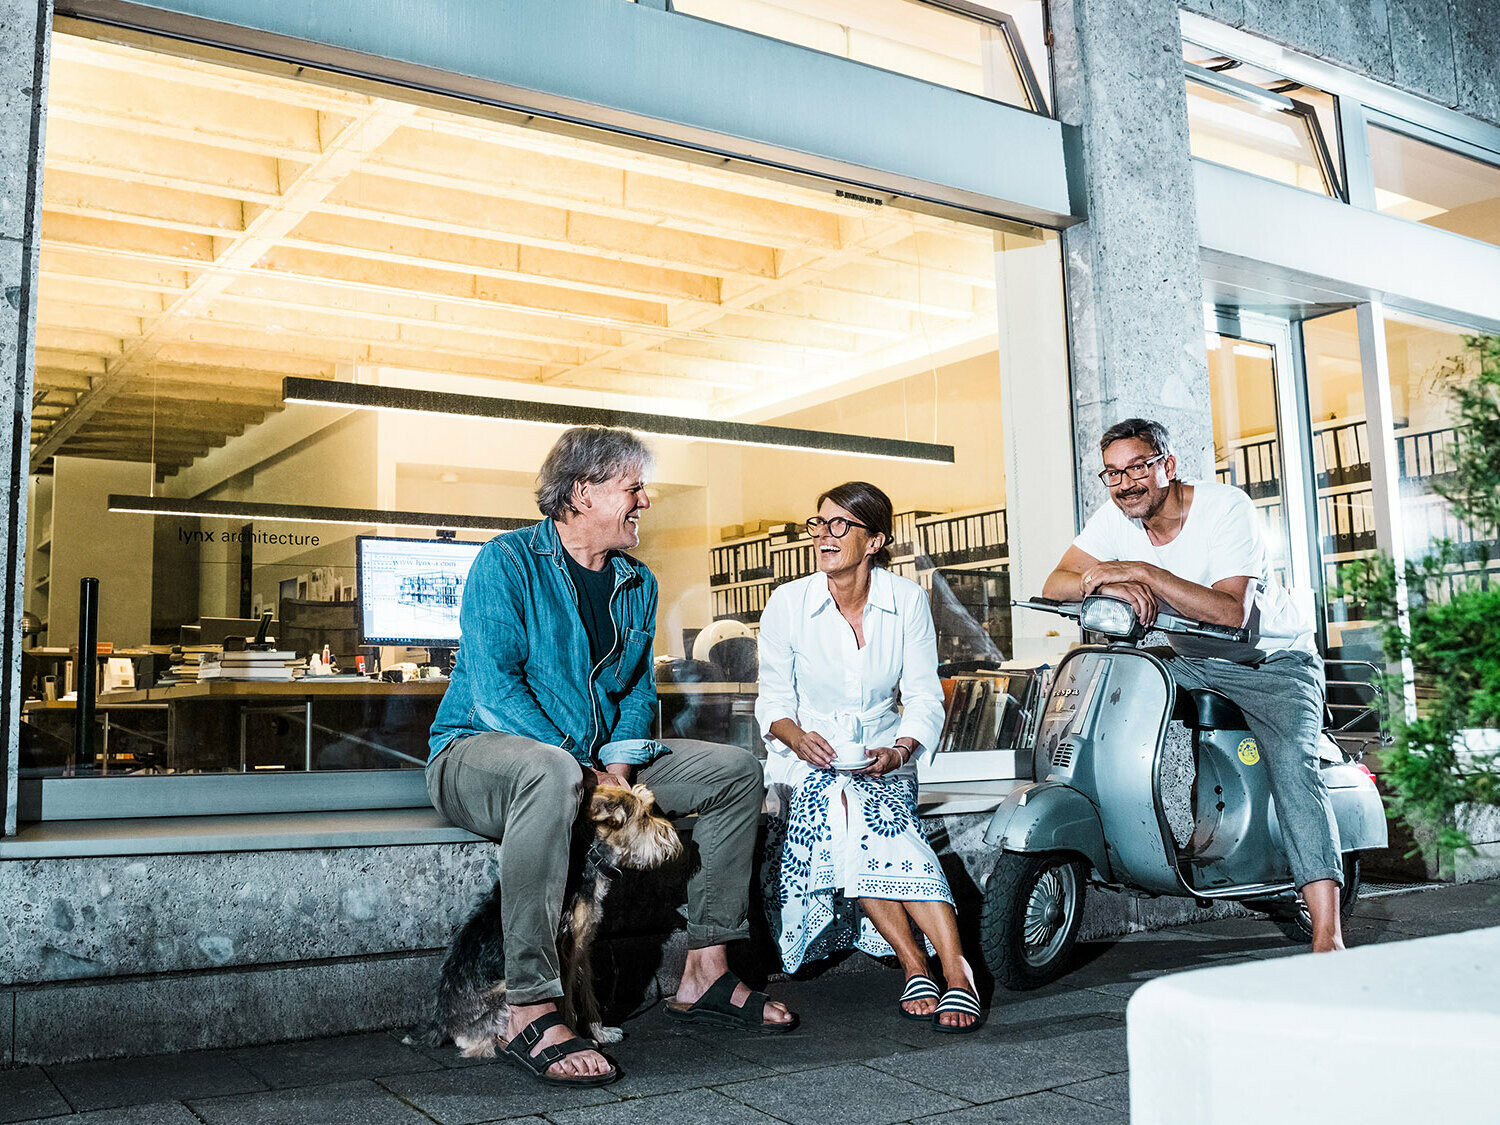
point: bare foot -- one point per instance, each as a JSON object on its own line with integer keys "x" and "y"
{"x": 1330, "y": 944}
{"x": 573, "y": 1066}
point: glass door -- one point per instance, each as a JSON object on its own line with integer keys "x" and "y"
{"x": 1255, "y": 428}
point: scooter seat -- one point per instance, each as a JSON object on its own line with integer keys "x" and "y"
{"x": 1202, "y": 709}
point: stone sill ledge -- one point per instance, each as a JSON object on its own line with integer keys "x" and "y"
{"x": 359, "y": 828}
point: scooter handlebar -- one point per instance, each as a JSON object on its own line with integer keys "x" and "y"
{"x": 1171, "y": 623}
{"x": 1166, "y": 622}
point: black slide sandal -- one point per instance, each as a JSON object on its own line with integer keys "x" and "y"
{"x": 536, "y": 1065}
{"x": 716, "y": 1006}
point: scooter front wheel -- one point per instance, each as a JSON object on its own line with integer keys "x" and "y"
{"x": 1033, "y": 905}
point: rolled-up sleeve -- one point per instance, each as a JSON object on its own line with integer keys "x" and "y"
{"x": 777, "y": 698}
{"x": 921, "y": 690}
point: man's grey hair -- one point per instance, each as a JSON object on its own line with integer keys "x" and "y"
{"x": 1152, "y": 433}
{"x": 587, "y": 455}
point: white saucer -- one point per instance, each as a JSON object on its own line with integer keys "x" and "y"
{"x": 852, "y": 766}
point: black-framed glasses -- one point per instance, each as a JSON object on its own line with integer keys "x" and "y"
{"x": 838, "y": 527}
{"x": 1138, "y": 471}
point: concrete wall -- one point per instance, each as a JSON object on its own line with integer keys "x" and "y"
{"x": 1445, "y": 50}
{"x": 1134, "y": 280}
{"x": 258, "y": 946}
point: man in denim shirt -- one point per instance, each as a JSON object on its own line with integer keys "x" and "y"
{"x": 553, "y": 693}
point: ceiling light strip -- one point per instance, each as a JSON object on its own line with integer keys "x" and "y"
{"x": 306, "y": 513}
{"x": 324, "y": 392}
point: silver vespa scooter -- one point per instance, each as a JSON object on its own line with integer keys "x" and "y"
{"x": 1096, "y": 809}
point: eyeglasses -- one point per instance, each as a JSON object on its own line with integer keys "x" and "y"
{"x": 1138, "y": 471}
{"x": 838, "y": 527}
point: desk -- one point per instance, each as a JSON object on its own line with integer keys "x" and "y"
{"x": 217, "y": 725}
{"x": 218, "y": 711}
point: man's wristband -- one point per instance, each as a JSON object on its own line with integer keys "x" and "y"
{"x": 907, "y": 748}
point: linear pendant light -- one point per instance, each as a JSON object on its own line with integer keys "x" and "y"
{"x": 366, "y": 396}
{"x": 306, "y": 513}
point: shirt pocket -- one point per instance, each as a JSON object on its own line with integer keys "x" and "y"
{"x": 636, "y": 648}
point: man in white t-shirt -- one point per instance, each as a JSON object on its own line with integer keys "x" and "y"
{"x": 1199, "y": 551}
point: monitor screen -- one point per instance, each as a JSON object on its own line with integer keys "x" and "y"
{"x": 410, "y": 590}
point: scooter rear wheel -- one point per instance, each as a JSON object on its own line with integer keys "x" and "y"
{"x": 1033, "y": 905}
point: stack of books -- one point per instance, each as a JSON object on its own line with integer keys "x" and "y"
{"x": 275, "y": 666}
{"x": 187, "y": 670}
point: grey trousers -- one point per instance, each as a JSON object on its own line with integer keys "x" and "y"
{"x": 525, "y": 795}
{"x": 1282, "y": 699}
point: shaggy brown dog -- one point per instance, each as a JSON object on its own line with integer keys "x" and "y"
{"x": 471, "y": 1006}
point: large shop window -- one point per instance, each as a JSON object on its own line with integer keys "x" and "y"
{"x": 1251, "y": 119}
{"x": 1436, "y": 186}
{"x": 997, "y": 54}
{"x": 209, "y": 232}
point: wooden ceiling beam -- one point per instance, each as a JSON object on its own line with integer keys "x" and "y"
{"x": 182, "y": 165}
{"x": 89, "y": 266}
{"x": 549, "y": 300}
{"x": 451, "y": 208}
{"x": 407, "y": 245}
{"x": 99, "y": 197}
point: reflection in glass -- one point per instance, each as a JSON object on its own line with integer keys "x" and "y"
{"x": 1247, "y": 437}
{"x": 993, "y": 58}
{"x": 1279, "y": 144}
{"x": 1345, "y": 509}
{"x": 1436, "y": 186}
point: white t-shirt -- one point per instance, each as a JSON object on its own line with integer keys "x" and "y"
{"x": 1221, "y": 538}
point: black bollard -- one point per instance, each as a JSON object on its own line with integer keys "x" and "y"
{"x": 86, "y": 672}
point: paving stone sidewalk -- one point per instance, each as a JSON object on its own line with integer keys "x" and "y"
{"x": 1056, "y": 1055}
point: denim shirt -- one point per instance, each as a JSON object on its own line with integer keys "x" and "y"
{"x": 523, "y": 662}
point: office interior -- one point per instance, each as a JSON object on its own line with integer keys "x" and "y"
{"x": 214, "y": 225}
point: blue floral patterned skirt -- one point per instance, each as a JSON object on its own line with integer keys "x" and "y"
{"x": 820, "y": 860}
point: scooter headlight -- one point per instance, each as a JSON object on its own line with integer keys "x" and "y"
{"x": 1110, "y": 616}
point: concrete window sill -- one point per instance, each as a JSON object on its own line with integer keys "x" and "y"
{"x": 344, "y": 828}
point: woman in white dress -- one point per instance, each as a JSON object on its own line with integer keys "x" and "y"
{"x": 848, "y": 672}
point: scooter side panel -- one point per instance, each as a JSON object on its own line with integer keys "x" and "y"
{"x": 1122, "y": 735}
{"x": 1357, "y": 809}
{"x": 1049, "y": 817}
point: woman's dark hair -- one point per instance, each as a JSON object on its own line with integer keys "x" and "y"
{"x": 869, "y": 506}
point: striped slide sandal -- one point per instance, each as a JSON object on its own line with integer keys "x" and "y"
{"x": 918, "y": 987}
{"x": 958, "y": 1000}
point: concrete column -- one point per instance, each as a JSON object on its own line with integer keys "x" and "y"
{"x": 1134, "y": 281}
{"x": 25, "y": 27}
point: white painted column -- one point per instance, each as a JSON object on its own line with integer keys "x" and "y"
{"x": 1037, "y": 424}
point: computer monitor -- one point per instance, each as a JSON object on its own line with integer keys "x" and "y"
{"x": 410, "y": 590}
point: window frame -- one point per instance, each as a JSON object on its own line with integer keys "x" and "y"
{"x": 1333, "y": 183}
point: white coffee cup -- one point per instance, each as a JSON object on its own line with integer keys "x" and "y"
{"x": 849, "y": 755}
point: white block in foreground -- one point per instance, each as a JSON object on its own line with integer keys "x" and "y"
{"x": 1405, "y": 1032}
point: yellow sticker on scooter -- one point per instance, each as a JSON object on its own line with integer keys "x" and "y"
{"x": 1249, "y": 751}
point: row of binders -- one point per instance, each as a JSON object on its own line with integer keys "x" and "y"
{"x": 1348, "y": 522}
{"x": 1427, "y": 454}
{"x": 1253, "y": 468}
{"x": 742, "y": 603}
{"x": 951, "y": 540}
{"x": 1341, "y": 454}
{"x": 740, "y": 562}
